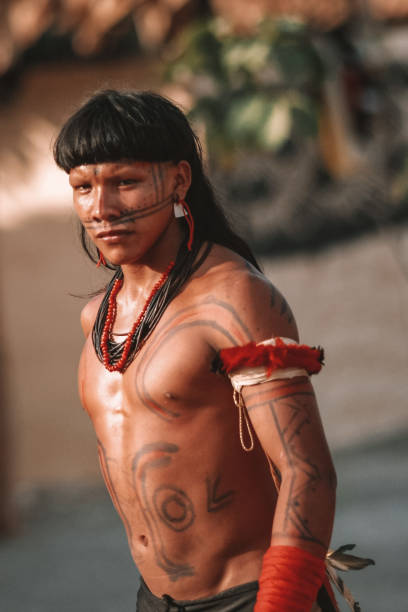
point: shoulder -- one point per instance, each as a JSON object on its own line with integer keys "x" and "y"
{"x": 88, "y": 314}
{"x": 246, "y": 296}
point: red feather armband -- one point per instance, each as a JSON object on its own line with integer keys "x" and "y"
{"x": 253, "y": 364}
{"x": 274, "y": 354}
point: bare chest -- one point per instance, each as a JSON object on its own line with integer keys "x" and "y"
{"x": 169, "y": 379}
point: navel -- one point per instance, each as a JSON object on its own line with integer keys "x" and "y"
{"x": 144, "y": 540}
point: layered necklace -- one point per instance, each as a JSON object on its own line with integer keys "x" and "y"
{"x": 117, "y": 356}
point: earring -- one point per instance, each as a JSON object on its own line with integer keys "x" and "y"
{"x": 177, "y": 207}
{"x": 190, "y": 222}
{"x": 101, "y": 260}
{"x": 182, "y": 209}
{"x": 178, "y": 210}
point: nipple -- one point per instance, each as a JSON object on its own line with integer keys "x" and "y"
{"x": 169, "y": 395}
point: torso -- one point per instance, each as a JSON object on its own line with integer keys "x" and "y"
{"x": 197, "y": 508}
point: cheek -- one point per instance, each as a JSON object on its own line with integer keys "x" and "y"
{"x": 155, "y": 188}
{"x": 83, "y": 218}
{"x": 145, "y": 198}
{"x": 82, "y": 208}
{"x": 148, "y": 195}
{"x": 146, "y": 201}
{"x": 153, "y": 224}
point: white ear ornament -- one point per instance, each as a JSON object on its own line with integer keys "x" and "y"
{"x": 178, "y": 210}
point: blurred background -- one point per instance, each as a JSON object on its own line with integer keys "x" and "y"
{"x": 302, "y": 108}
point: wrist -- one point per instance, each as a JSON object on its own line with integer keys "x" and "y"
{"x": 289, "y": 580}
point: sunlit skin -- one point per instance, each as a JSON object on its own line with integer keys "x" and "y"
{"x": 198, "y": 510}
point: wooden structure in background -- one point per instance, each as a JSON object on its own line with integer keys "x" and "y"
{"x": 23, "y": 22}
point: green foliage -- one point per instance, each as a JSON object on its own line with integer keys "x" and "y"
{"x": 255, "y": 92}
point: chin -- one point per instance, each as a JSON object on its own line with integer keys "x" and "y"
{"x": 119, "y": 256}
{"x": 123, "y": 259}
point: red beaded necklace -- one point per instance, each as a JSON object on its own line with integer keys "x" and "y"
{"x": 120, "y": 365}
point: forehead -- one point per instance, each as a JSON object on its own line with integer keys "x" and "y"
{"x": 109, "y": 168}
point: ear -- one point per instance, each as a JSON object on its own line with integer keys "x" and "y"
{"x": 183, "y": 179}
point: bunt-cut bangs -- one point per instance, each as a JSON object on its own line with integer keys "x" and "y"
{"x": 117, "y": 126}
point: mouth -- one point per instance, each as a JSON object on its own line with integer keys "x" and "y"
{"x": 114, "y": 234}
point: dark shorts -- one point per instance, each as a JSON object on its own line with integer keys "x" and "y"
{"x": 240, "y": 598}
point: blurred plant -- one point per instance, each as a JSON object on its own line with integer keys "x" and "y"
{"x": 399, "y": 172}
{"x": 253, "y": 92}
{"x": 327, "y": 100}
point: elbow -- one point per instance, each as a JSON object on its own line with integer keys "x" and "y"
{"x": 328, "y": 482}
{"x": 330, "y": 477}
{"x": 327, "y": 473}
{"x": 327, "y": 488}
{"x": 323, "y": 483}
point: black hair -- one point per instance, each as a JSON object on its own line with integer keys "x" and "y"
{"x": 144, "y": 126}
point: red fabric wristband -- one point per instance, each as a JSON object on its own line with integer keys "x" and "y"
{"x": 289, "y": 581}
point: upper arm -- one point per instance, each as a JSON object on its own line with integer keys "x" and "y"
{"x": 286, "y": 419}
{"x": 284, "y": 413}
{"x": 88, "y": 314}
{"x": 250, "y": 309}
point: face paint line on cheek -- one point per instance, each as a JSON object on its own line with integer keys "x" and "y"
{"x": 133, "y": 215}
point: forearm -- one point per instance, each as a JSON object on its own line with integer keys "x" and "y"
{"x": 304, "y": 512}
{"x": 293, "y": 567}
{"x": 290, "y": 431}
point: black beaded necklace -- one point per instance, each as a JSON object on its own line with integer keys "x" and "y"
{"x": 184, "y": 266}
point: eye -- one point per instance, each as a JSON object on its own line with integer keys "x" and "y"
{"x": 82, "y": 187}
{"x": 127, "y": 181}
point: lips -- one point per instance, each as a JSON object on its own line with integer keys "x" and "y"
{"x": 115, "y": 233}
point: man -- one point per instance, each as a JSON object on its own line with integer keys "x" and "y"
{"x": 214, "y": 494}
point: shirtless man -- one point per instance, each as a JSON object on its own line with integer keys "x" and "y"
{"x": 191, "y": 476}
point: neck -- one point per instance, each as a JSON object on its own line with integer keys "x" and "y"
{"x": 141, "y": 275}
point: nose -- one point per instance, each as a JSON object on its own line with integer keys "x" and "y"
{"x": 103, "y": 205}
